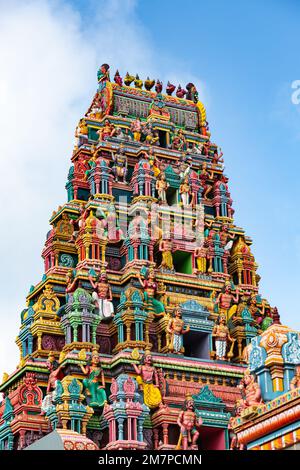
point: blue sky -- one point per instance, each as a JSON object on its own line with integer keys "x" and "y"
{"x": 243, "y": 57}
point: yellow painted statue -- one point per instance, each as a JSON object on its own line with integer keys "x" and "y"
{"x": 148, "y": 381}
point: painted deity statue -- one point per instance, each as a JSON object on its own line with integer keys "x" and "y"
{"x": 120, "y": 165}
{"x": 185, "y": 191}
{"x": 295, "y": 382}
{"x": 176, "y": 330}
{"x": 225, "y": 301}
{"x": 162, "y": 186}
{"x": 148, "y": 380}
{"x": 217, "y": 157}
{"x": 204, "y": 177}
{"x": 222, "y": 337}
{"x": 179, "y": 141}
{"x": 81, "y": 133}
{"x": 102, "y": 296}
{"x": 250, "y": 389}
{"x": 136, "y": 129}
{"x": 226, "y": 238}
{"x": 154, "y": 163}
{"x": 201, "y": 258}
{"x": 189, "y": 423}
{"x": 108, "y": 130}
{"x": 150, "y": 290}
{"x": 55, "y": 374}
{"x": 94, "y": 384}
{"x": 165, "y": 246}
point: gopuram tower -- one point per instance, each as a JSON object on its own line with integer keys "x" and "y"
{"x": 149, "y": 308}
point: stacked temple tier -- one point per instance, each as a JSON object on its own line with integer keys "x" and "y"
{"x": 139, "y": 332}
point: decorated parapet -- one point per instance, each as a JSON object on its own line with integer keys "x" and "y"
{"x": 273, "y": 359}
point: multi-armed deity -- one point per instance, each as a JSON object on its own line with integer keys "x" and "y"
{"x": 143, "y": 260}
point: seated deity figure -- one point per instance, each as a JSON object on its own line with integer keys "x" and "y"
{"x": 189, "y": 423}
{"x": 295, "y": 382}
{"x": 108, "y": 130}
{"x": 185, "y": 191}
{"x": 102, "y": 295}
{"x": 176, "y": 330}
{"x": 250, "y": 389}
{"x": 120, "y": 165}
{"x": 162, "y": 186}
{"x": 148, "y": 381}
{"x": 94, "y": 384}
{"x": 222, "y": 337}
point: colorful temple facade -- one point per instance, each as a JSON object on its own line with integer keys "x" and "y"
{"x": 147, "y": 329}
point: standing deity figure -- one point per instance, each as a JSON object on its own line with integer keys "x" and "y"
{"x": 94, "y": 384}
{"x": 154, "y": 163}
{"x": 217, "y": 158}
{"x": 179, "y": 141}
{"x": 120, "y": 165}
{"x": 136, "y": 129}
{"x": 251, "y": 390}
{"x": 184, "y": 166}
{"x": 55, "y": 374}
{"x": 148, "y": 381}
{"x": 203, "y": 177}
{"x": 226, "y": 238}
{"x": 225, "y": 301}
{"x": 221, "y": 334}
{"x": 150, "y": 289}
{"x": 176, "y": 330}
{"x": 162, "y": 186}
{"x": 188, "y": 422}
{"x": 295, "y": 382}
{"x": 81, "y": 133}
{"x": 165, "y": 246}
{"x": 108, "y": 130}
{"x": 185, "y": 191}
{"x": 102, "y": 295}
{"x": 201, "y": 258}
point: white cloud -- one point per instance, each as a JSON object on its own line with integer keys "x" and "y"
{"x": 48, "y": 77}
{"x": 50, "y": 53}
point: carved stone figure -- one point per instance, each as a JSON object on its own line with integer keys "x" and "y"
{"x": 176, "y": 330}
{"x": 189, "y": 423}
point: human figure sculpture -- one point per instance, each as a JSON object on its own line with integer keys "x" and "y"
{"x": 295, "y": 382}
{"x": 201, "y": 258}
{"x": 154, "y": 163}
{"x": 250, "y": 389}
{"x": 165, "y": 246}
{"x": 203, "y": 177}
{"x": 55, "y": 374}
{"x": 120, "y": 165}
{"x": 179, "y": 141}
{"x": 162, "y": 186}
{"x": 226, "y": 299}
{"x": 136, "y": 128}
{"x": 217, "y": 158}
{"x": 185, "y": 191}
{"x": 148, "y": 380}
{"x": 226, "y": 238}
{"x": 108, "y": 130}
{"x": 151, "y": 289}
{"x": 102, "y": 295}
{"x": 176, "y": 330}
{"x": 189, "y": 423}
{"x": 222, "y": 337}
{"x": 94, "y": 384}
{"x": 81, "y": 133}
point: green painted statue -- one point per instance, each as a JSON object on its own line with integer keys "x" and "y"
{"x": 94, "y": 384}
